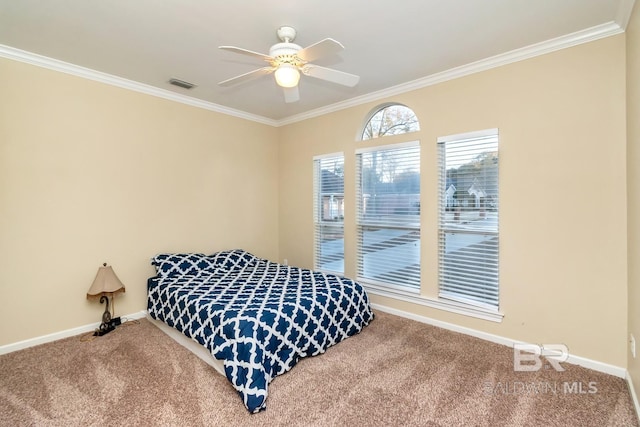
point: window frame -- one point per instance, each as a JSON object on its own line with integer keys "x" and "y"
{"x": 381, "y": 108}
{"x": 481, "y": 264}
{"x": 319, "y": 222}
{"x": 363, "y": 223}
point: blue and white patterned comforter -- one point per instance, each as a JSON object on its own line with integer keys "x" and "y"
{"x": 259, "y": 317}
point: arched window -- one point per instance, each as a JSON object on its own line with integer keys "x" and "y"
{"x": 390, "y": 119}
{"x": 388, "y": 202}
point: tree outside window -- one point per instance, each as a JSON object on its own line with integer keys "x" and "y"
{"x": 391, "y": 119}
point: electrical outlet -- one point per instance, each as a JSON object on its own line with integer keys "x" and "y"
{"x": 632, "y": 344}
{"x": 286, "y": 262}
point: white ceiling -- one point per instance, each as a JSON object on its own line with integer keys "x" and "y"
{"x": 392, "y": 46}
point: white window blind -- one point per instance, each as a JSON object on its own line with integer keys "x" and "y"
{"x": 329, "y": 213}
{"x": 388, "y": 215}
{"x": 468, "y": 218}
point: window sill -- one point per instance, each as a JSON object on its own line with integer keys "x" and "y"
{"x": 450, "y": 306}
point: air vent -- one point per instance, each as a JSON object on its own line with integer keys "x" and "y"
{"x": 181, "y": 83}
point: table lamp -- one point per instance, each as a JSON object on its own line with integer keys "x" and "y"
{"x": 106, "y": 285}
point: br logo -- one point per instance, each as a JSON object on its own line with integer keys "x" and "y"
{"x": 529, "y": 357}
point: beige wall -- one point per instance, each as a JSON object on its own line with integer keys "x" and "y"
{"x": 91, "y": 173}
{"x": 633, "y": 182}
{"x": 561, "y": 116}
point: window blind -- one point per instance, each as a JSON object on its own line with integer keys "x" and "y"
{"x": 329, "y": 213}
{"x": 388, "y": 215}
{"x": 468, "y": 247}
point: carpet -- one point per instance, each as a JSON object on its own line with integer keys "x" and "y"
{"x": 395, "y": 372}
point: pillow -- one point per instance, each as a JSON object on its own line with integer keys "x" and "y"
{"x": 232, "y": 259}
{"x": 168, "y": 265}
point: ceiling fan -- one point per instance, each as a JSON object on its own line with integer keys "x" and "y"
{"x": 287, "y": 60}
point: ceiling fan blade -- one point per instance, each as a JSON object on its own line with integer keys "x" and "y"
{"x": 251, "y": 75}
{"x": 324, "y": 47}
{"x": 329, "y": 74}
{"x": 291, "y": 94}
{"x": 247, "y": 52}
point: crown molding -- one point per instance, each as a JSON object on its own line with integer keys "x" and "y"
{"x": 584, "y": 36}
{"x": 625, "y": 7}
{"x": 542, "y": 48}
{"x": 87, "y": 73}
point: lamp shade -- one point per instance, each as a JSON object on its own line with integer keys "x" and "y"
{"x": 106, "y": 282}
{"x": 287, "y": 75}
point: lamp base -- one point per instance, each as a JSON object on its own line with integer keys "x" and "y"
{"x": 106, "y": 316}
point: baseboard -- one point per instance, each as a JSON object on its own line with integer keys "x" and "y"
{"x": 575, "y": 360}
{"x": 634, "y": 396}
{"x": 62, "y": 334}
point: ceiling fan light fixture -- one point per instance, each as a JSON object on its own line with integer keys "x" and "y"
{"x": 288, "y": 60}
{"x": 287, "y": 75}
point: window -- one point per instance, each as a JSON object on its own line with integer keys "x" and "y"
{"x": 468, "y": 218}
{"x": 390, "y": 119}
{"x": 329, "y": 212}
{"x": 388, "y": 215}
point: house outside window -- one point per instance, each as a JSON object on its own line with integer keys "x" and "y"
{"x": 329, "y": 213}
{"x": 468, "y": 218}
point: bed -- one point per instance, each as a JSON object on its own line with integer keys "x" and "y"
{"x": 256, "y": 316}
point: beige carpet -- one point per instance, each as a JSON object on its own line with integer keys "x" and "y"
{"x": 396, "y": 372}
